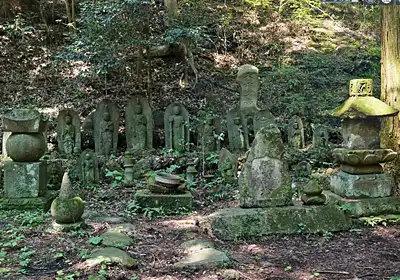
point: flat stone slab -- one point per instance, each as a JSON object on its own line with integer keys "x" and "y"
{"x": 58, "y": 227}
{"x": 366, "y": 206}
{"x": 115, "y": 238}
{"x": 362, "y": 186}
{"x": 24, "y": 179}
{"x": 238, "y": 223}
{"x": 196, "y": 245}
{"x": 201, "y": 254}
{"x": 108, "y": 219}
{"x": 28, "y": 203}
{"x": 170, "y": 203}
{"x": 111, "y": 255}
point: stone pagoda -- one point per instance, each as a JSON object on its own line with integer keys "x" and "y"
{"x": 361, "y": 181}
{"x": 25, "y": 177}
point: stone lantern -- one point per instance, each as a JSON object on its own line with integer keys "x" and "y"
{"x": 25, "y": 176}
{"x": 361, "y": 178}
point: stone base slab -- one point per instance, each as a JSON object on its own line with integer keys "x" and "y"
{"x": 238, "y": 223}
{"x": 28, "y": 203}
{"x": 362, "y": 186}
{"x": 58, "y": 227}
{"x": 366, "y": 206}
{"x": 170, "y": 203}
{"x": 362, "y": 169}
{"x": 25, "y": 179}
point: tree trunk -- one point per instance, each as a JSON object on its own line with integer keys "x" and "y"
{"x": 390, "y": 72}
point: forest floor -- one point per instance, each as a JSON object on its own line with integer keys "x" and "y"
{"x": 305, "y": 67}
{"x": 29, "y": 251}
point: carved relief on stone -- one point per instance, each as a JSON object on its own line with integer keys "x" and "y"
{"x": 176, "y": 127}
{"x": 68, "y": 132}
{"x": 106, "y": 124}
{"x": 89, "y": 167}
{"x": 139, "y": 124}
{"x": 296, "y": 133}
{"x": 237, "y": 132}
{"x": 209, "y": 135}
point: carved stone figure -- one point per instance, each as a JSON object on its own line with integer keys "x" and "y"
{"x": 227, "y": 166}
{"x": 320, "y": 136}
{"x": 247, "y": 77}
{"x": 236, "y": 131}
{"x": 262, "y": 118}
{"x": 139, "y": 124}
{"x": 176, "y": 127}
{"x": 210, "y": 133}
{"x": 106, "y": 124}
{"x": 296, "y": 133}
{"x": 264, "y": 180}
{"x": 68, "y": 132}
{"x": 88, "y": 131}
{"x": 89, "y": 167}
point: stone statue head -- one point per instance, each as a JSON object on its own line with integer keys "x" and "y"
{"x": 68, "y": 119}
{"x": 236, "y": 120}
{"x": 138, "y": 109}
{"x": 247, "y": 77}
{"x": 176, "y": 110}
{"x": 88, "y": 157}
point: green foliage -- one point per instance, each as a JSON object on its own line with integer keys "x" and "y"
{"x": 381, "y": 220}
{"x": 347, "y": 207}
{"x": 95, "y": 240}
{"x": 66, "y": 277}
{"x": 300, "y": 227}
{"x": 298, "y": 9}
{"x": 116, "y": 176}
{"x": 18, "y": 27}
{"x": 328, "y": 236}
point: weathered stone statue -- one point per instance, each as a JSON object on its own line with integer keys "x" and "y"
{"x": 262, "y": 118}
{"x": 227, "y": 166}
{"x": 210, "y": 132}
{"x": 89, "y": 167}
{"x": 264, "y": 181}
{"x": 68, "y": 132}
{"x": 236, "y": 131}
{"x": 320, "y": 136}
{"x": 67, "y": 209}
{"x": 313, "y": 193}
{"x": 296, "y": 133}
{"x": 106, "y": 124}
{"x": 139, "y": 125}
{"x": 88, "y": 131}
{"x": 247, "y": 77}
{"x": 25, "y": 180}
{"x": 176, "y": 127}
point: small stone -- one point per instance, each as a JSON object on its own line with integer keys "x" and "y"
{"x": 111, "y": 255}
{"x": 196, "y": 245}
{"x": 230, "y": 274}
{"x": 313, "y": 200}
{"x": 312, "y": 188}
{"x": 113, "y": 237}
{"x": 209, "y": 257}
{"x": 108, "y": 219}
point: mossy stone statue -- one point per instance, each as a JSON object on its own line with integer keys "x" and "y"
{"x": 67, "y": 208}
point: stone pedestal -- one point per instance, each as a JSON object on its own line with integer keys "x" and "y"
{"x": 25, "y": 185}
{"x": 170, "y": 203}
{"x": 362, "y": 186}
{"x": 25, "y": 179}
{"x": 239, "y": 223}
{"x": 365, "y": 207}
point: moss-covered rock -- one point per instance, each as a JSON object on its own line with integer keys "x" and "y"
{"x": 170, "y": 203}
{"x": 67, "y": 208}
{"x": 238, "y": 223}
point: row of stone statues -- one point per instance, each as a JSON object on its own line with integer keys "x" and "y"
{"x": 103, "y": 125}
